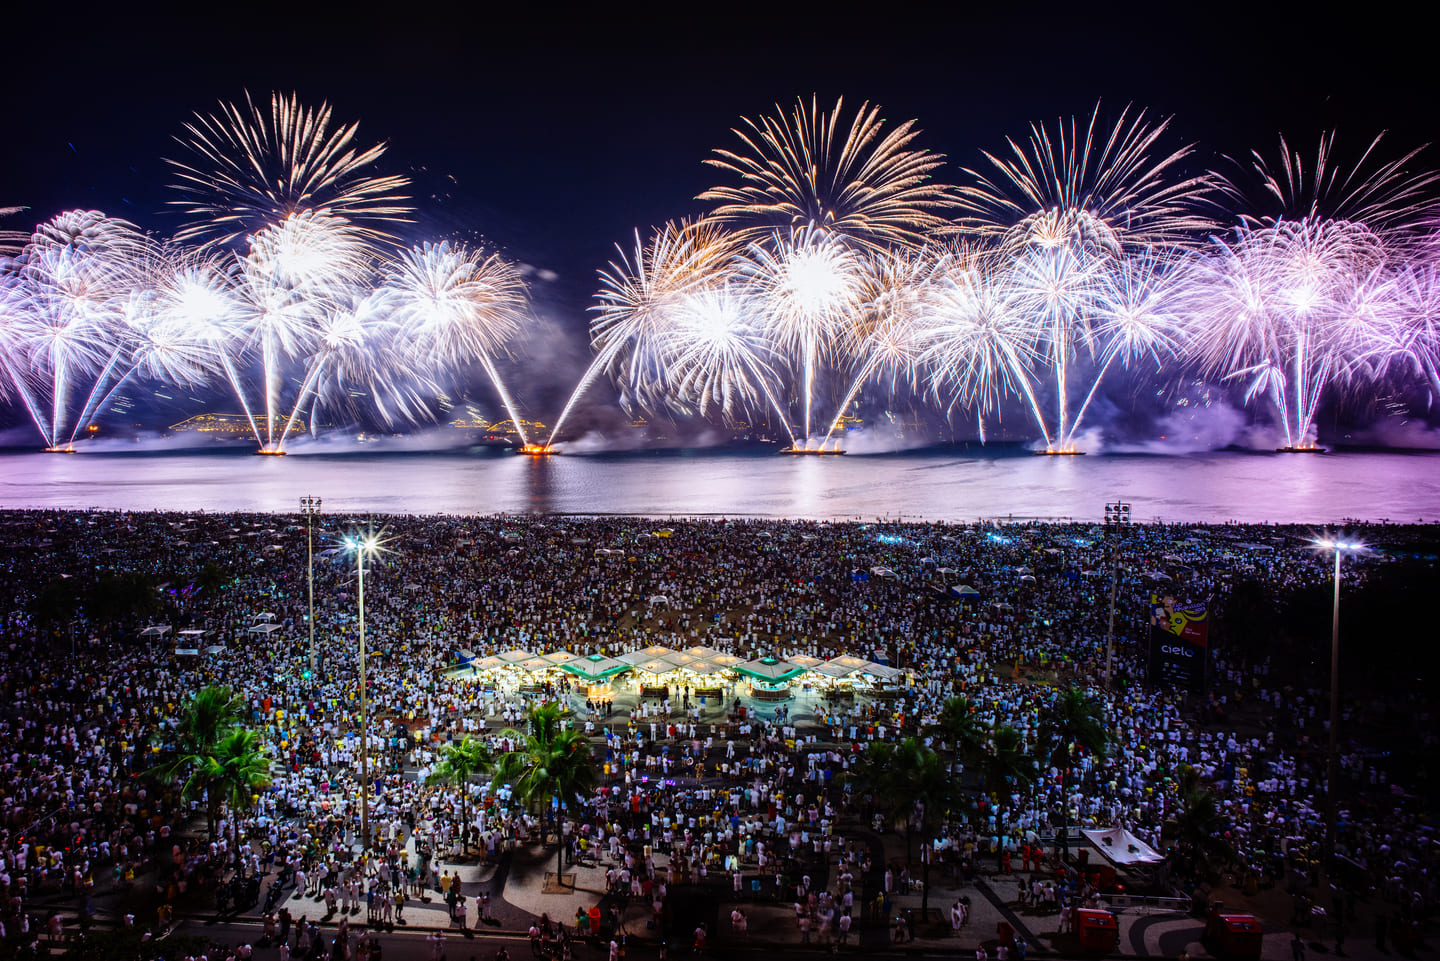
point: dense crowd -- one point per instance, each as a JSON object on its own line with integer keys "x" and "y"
{"x": 90, "y": 696}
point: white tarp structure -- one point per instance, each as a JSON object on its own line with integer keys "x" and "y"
{"x": 1121, "y": 847}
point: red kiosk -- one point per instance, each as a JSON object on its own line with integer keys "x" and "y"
{"x": 1232, "y": 935}
{"x": 1097, "y": 930}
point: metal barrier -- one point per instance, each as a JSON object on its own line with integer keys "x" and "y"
{"x": 1121, "y": 902}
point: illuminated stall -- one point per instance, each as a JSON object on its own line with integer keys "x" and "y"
{"x": 769, "y": 677}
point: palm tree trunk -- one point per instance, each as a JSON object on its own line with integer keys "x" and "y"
{"x": 559, "y": 851}
{"x": 464, "y": 824}
{"x": 1065, "y": 809}
{"x": 925, "y": 886}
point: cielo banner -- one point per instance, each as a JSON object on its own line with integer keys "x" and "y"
{"x": 1178, "y": 643}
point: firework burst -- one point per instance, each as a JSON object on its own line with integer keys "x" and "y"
{"x": 251, "y": 168}
{"x": 807, "y": 168}
{"x": 978, "y": 346}
{"x": 635, "y": 309}
{"x": 1390, "y": 197}
{"x": 809, "y": 283}
{"x": 1282, "y": 309}
{"x": 456, "y": 306}
{"x": 1079, "y": 184}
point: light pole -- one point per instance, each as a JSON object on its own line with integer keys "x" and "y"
{"x": 310, "y": 507}
{"x": 1340, "y": 548}
{"x": 363, "y": 546}
{"x": 1117, "y": 517}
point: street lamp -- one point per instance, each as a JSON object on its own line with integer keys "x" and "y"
{"x": 1117, "y": 517}
{"x": 310, "y": 507}
{"x": 363, "y": 546}
{"x": 1340, "y": 548}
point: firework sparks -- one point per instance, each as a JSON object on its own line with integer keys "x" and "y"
{"x": 809, "y": 284}
{"x": 252, "y": 168}
{"x": 1387, "y": 196}
{"x": 1089, "y": 187}
{"x": 1276, "y": 308}
{"x": 457, "y": 305}
{"x": 808, "y": 168}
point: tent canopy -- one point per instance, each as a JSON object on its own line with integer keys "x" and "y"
{"x": 595, "y": 667}
{"x": 1121, "y": 847}
{"x": 265, "y": 628}
{"x": 700, "y": 650}
{"x": 770, "y": 669}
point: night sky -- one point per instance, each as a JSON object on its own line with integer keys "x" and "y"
{"x": 553, "y": 134}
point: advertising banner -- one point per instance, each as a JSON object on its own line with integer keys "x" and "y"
{"x": 1178, "y": 644}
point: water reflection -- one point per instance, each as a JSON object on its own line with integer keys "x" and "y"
{"x": 930, "y": 485}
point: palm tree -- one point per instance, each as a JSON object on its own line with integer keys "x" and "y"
{"x": 552, "y": 768}
{"x": 1073, "y": 722}
{"x": 929, "y": 793}
{"x": 233, "y": 773}
{"x": 1199, "y": 828}
{"x": 459, "y": 763}
{"x": 958, "y": 727}
{"x": 210, "y": 715}
{"x": 1006, "y": 766}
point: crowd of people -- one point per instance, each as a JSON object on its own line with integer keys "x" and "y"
{"x": 751, "y": 798}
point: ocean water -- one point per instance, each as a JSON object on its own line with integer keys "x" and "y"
{"x": 934, "y": 484}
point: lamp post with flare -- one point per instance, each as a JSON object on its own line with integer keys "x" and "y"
{"x": 310, "y": 507}
{"x": 1340, "y": 548}
{"x": 363, "y": 545}
{"x": 1117, "y": 517}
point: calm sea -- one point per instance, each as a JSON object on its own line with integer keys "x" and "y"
{"x": 935, "y": 484}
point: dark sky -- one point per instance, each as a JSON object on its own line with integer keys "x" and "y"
{"x": 564, "y": 131}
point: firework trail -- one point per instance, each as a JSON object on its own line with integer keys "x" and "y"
{"x": 1055, "y": 287}
{"x": 718, "y": 354}
{"x": 979, "y": 348}
{"x": 456, "y": 305}
{"x": 808, "y": 168}
{"x": 887, "y": 338}
{"x": 251, "y": 168}
{"x": 200, "y": 295}
{"x": 808, "y": 284}
{"x": 359, "y": 350}
{"x": 1389, "y": 197}
{"x": 152, "y": 348}
{"x": 638, "y": 296}
{"x": 296, "y": 272}
{"x": 1100, "y": 190}
{"x": 11, "y": 241}
{"x": 1277, "y": 307}
{"x": 1137, "y": 316}
{"x": 67, "y": 324}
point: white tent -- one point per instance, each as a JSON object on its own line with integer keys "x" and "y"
{"x": 156, "y": 630}
{"x": 265, "y": 628}
{"x": 833, "y": 669}
{"x": 1121, "y": 847}
{"x": 881, "y": 671}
